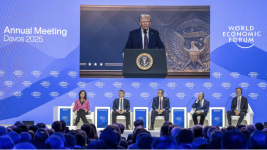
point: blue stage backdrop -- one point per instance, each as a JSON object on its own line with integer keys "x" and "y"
{"x": 40, "y": 51}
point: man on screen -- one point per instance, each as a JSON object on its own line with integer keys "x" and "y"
{"x": 144, "y": 37}
{"x": 121, "y": 106}
{"x": 161, "y": 107}
{"x": 202, "y": 108}
{"x": 239, "y": 107}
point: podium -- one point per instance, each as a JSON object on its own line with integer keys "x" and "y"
{"x": 217, "y": 116}
{"x": 141, "y": 113}
{"x": 102, "y": 116}
{"x": 144, "y": 63}
{"x": 179, "y": 116}
{"x": 63, "y": 113}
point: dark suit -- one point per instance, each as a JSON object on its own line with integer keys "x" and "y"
{"x": 135, "y": 40}
{"x": 126, "y": 106}
{"x": 243, "y": 110}
{"x": 205, "y": 107}
{"x": 165, "y": 106}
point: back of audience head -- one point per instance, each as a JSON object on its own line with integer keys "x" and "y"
{"x": 223, "y": 129}
{"x": 205, "y": 131}
{"x": 197, "y": 131}
{"x": 265, "y": 130}
{"x": 41, "y": 135}
{"x": 118, "y": 138}
{"x": 80, "y": 140}
{"x": 170, "y": 128}
{"x": 107, "y": 135}
{"x": 164, "y": 142}
{"x": 138, "y": 122}
{"x": 3, "y": 131}
{"x": 60, "y": 135}
{"x": 50, "y": 131}
{"x": 70, "y": 141}
{"x": 87, "y": 129}
{"x": 6, "y": 142}
{"x": 24, "y": 145}
{"x": 230, "y": 127}
{"x": 17, "y": 123}
{"x": 144, "y": 142}
{"x": 34, "y": 128}
{"x": 197, "y": 142}
{"x": 94, "y": 130}
{"x": 164, "y": 130}
{"x": 99, "y": 144}
{"x": 23, "y": 128}
{"x": 25, "y": 136}
{"x": 56, "y": 126}
{"x": 245, "y": 132}
{"x": 18, "y": 130}
{"x": 234, "y": 139}
{"x": 138, "y": 131}
{"x": 185, "y": 136}
{"x": 117, "y": 128}
{"x": 167, "y": 123}
{"x": 215, "y": 141}
{"x": 210, "y": 131}
{"x": 239, "y": 127}
{"x": 41, "y": 125}
{"x": 31, "y": 133}
{"x": 14, "y": 136}
{"x": 258, "y": 140}
{"x": 63, "y": 126}
{"x": 259, "y": 126}
{"x": 175, "y": 131}
{"x": 54, "y": 142}
{"x": 251, "y": 129}
{"x": 121, "y": 126}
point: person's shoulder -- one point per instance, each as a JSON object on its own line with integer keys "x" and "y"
{"x": 244, "y": 97}
{"x": 206, "y": 100}
{"x": 166, "y": 98}
{"x": 77, "y": 100}
{"x": 155, "y": 98}
{"x": 153, "y": 30}
{"x": 126, "y": 99}
{"x": 136, "y": 30}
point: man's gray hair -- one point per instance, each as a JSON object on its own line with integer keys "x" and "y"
{"x": 145, "y": 16}
{"x": 175, "y": 131}
{"x": 122, "y": 91}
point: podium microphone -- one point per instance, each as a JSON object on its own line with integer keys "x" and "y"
{"x": 228, "y": 100}
{"x": 189, "y": 101}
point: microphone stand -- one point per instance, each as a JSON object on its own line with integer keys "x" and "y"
{"x": 228, "y": 100}
{"x": 189, "y": 101}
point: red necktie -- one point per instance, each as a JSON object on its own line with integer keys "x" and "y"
{"x": 160, "y": 104}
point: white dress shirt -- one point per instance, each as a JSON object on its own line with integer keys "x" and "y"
{"x": 238, "y": 98}
{"x": 201, "y": 104}
{"x": 121, "y": 99}
{"x": 160, "y": 98}
{"x": 143, "y": 37}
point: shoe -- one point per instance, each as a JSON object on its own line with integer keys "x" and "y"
{"x": 75, "y": 124}
{"x": 151, "y": 128}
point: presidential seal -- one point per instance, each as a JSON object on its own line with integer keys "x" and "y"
{"x": 144, "y": 61}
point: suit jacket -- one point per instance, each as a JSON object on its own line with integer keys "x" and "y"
{"x": 126, "y": 104}
{"x": 135, "y": 40}
{"x": 205, "y": 106}
{"x": 243, "y": 105}
{"x": 165, "y": 103}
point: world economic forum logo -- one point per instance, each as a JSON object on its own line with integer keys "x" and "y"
{"x": 65, "y": 117}
{"x": 45, "y": 84}
{"x": 244, "y": 85}
{"x": 217, "y": 118}
{"x": 91, "y": 95}
{"x": 145, "y": 95}
{"x": 102, "y": 118}
{"x": 9, "y": 83}
{"x": 262, "y": 85}
{"x": 54, "y": 94}
{"x": 18, "y": 94}
{"x": 217, "y": 75}
{"x": 135, "y": 85}
{"x": 190, "y": 85}
{"x": 18, "y": 73}
{"x": 196, "y": 94}
{"x": 172, "y": 85}
{"x": 253, "y": 75}
{"x": 27, "y": 83}
{"x": 81, "y": 84}
{"x": 63, "y": 84}
{"x": 233, "y": 95}
{"x": 1, "y": 94}
{"x": 99, "y": 84}
{"x": 242, "y": 34}
{"x": 73, "y": 74}
{"x": 217, "y": 95}
{"x": 140, "y": 117}
{"x": 36, "y": 73}
{"x": 253, "y": 95}
{"x": 54, "y": 74}
{"x": 117, "y": 84}
{"x": 181, "y": 95}
{"x": 235, "y": 74}
{"x": 72, "y": 94}
{"x": 154, "y": 85}
{"x": 2, "y": 73}
{"x": 226, "y": 85}
{"x": 208, "y": 85}
{"x": 127, "y": 95}
{"x": 178, "y": 118}
{"x": 108, "y": 95}
{"x": 36, "y": 94}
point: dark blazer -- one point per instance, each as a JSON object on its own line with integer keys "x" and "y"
{"x": 165, "y": 104}
{"x": 205, "y": 106}
{"x": 135, "y": 40}
{"x": 126, "y": 104}
{"x": 243, "y": 105}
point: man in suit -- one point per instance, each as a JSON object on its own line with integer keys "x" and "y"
{"x": 121, "y": 106}
{"x": 202, "y": 107}
{"x": 161, "y": 107}
{"x": 239, "y": 107}
{"x": 144, "y": 37}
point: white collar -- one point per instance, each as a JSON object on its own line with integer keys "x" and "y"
{"x": 142, "y": 30}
